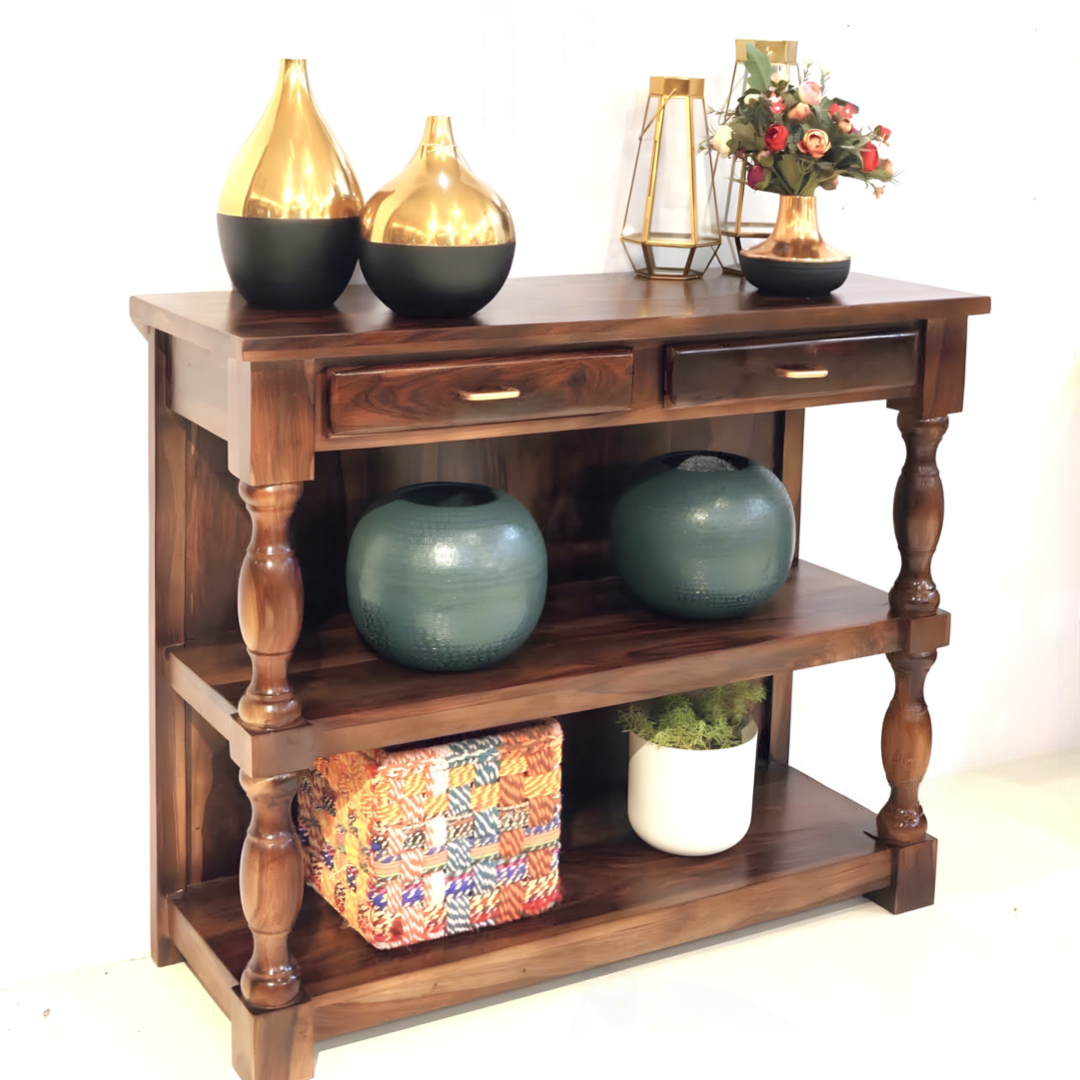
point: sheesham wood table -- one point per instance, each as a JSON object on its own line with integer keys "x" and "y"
{"x": 554, "y": 392}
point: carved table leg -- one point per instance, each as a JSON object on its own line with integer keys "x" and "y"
{"x": 918, "y": 511}
{"x": 271, "y": 888}
{"x": 271, "y": 606}
{"x": 273, "y": 1021}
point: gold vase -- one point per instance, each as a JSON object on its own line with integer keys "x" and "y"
{"x": 795, "y": 260}
{"x": 436, "y": 241}
{"x": 289, "y": 211}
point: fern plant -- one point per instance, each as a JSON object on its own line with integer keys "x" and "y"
{"x": 706, "y": 720}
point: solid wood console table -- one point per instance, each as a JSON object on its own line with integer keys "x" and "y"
{"x": 553, "y": 393}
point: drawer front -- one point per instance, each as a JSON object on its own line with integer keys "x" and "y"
{"x": 454, "y": 393}
{"x": 879, "y": 365}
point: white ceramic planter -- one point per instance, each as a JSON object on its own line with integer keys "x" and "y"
{"x": 692, "y": 802}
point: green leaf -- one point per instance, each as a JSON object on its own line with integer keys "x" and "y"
{"x": 758, "y": 69}
{"x": 788, "y": 167}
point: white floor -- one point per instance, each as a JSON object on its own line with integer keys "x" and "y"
{"x": 986, "y": 983}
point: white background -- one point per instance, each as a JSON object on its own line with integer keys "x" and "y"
{"x": 119, "y": 123}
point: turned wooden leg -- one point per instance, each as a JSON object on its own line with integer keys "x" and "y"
{"x": 271, "y": 889}
{"x": 918, "y": 511}
{"x": 905, "y": 750}
{"x": 271, "y": 606}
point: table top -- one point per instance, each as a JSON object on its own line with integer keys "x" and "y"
{"x": 564, "y": 309}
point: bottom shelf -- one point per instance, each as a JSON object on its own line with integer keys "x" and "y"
{"x": 807, "y": 846}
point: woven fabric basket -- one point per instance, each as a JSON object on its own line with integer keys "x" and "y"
{"x": 415, "y": 844}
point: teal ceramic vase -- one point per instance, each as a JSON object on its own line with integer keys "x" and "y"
{"x": 446, "y": 577}
{"x": 704, "y": 535}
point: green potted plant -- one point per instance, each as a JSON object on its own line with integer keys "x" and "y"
{"x": 691, "y": 781}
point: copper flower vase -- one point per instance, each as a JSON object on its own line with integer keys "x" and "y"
{"x": 795, "y": 260}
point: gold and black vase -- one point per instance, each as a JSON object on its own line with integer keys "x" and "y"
{"x": 289, "y": 213}
{"x": 795, "y": 260}
{"x": 436, "y": 242}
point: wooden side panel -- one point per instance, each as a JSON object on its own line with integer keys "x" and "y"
{"x": 199, "y": 387}
{"x": 168, "y": 750}
{"x": 218, "y": 809}
{"x": 218, "y": 530}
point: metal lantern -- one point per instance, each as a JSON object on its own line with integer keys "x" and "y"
{"x": 671, "y": 229}
{"x": 734, "y": 227}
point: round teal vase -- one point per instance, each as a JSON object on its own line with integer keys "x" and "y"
{"x": 704, "y": 544}
{"x": 446, "y": 577}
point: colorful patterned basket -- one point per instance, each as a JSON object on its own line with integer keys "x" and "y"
{"x": 411, "y": 845}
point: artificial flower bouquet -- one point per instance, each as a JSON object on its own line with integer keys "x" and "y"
{"x": 797, "y": 138}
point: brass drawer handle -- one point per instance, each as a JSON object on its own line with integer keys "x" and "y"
{"x": 801, "y": 372}
{"x": 508, "y": 394}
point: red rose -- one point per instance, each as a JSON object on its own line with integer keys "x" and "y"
{"x": 884, "y": 133}
{"x": 870, "y": 158}
{"x": 776, "y": 138}
{"x": 834, "y": 110}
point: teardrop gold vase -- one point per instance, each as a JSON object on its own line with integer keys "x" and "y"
{"x": 289, "y": 212}
{"x": 436, "y": 242}
{"x": 795, "y": 260}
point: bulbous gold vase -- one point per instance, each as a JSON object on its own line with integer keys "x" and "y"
{"x": 436, "y": 242}
{"x": 795, "y": 260}
{"x": 289, "y": 212}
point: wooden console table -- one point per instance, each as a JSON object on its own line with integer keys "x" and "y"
{"x": 553, "y": 392}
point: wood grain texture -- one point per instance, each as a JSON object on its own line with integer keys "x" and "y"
{"x": 435, "y": 395}
{"x": 918, "y": 513}
{"x": 943, "y": 374}
{"x": 905, "y": 750}
{"x": 789, "y": 459}
{"x": 581, "y": 311}
{"x": 274, "y": 1045}
{"x": 882, "y": 364}
{"x": 272, "y": 421}
{"x": 806, "y": 846}
{"x": 594, "y": 646}
{"x": 168, "y": 736}
{"x": 777, "y": 745}
{"x": 914, "y": 874}
{"x": 271, "y": 888}
{"x": 271, "y": 607}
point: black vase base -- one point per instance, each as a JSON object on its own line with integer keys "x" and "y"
{"x": 783, "y": 277}
{"x": 301, "y": 264}
{"x": 435, "y": 282}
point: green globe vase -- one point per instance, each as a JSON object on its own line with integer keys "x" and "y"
{"x": 707, "y": 544}
{"x": 446, "y": 576}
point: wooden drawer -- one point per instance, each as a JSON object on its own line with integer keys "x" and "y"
{"x": 460, "y": 392}
{"x": 882, "y": 364}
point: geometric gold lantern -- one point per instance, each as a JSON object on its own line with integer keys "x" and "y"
{"x": 735, "y": 227}
{"x": 671, "y": 228}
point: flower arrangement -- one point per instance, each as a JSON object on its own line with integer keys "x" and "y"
{"x": 707, "y": 720}
{"x": 798, "y": 138}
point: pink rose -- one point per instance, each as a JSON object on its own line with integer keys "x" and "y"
{"x": 799, "y": 112}
{"x": 888, "y": 167}
{"x": 810, "y": 92}
{"x": 755, "y": 176}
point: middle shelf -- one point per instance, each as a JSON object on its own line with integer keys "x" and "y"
{"x": 594, "y": 647}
